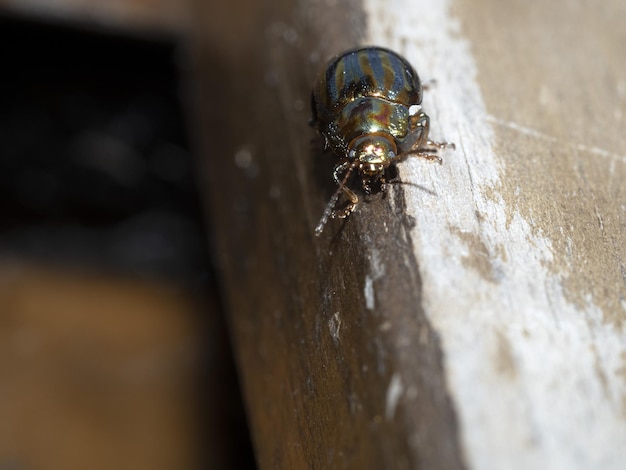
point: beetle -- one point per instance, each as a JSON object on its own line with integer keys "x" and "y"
{"x": 366, "y": 105}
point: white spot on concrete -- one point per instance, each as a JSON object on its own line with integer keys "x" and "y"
{"x": 243, "y": 158}
{"x": 369, "y": 293}
{"x": 377, "y": 268}
{"x": 377, "y": 271}
{"x": 334, "y": 325}
{"x": 394, "y": 392}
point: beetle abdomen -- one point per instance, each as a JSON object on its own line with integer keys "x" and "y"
{"x": 362, "y": 73}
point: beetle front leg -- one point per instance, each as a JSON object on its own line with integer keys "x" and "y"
{"x": 351, "y": 195}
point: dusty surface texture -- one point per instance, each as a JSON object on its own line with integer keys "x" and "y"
{"x": 553, "y": 81}
{"x": 521, "y": 247}
{"x": 557, "y": 104}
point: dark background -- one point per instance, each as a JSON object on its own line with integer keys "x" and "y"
{"x": 101, "y": 216}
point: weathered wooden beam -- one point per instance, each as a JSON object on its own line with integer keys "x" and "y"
{"x": 473, "y": 317}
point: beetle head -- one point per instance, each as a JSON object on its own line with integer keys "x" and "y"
{"x": 374, "y": 152}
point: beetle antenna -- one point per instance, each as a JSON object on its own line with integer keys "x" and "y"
{"x": 333, "y": 200}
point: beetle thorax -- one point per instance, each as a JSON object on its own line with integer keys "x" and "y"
{"x": 374, "y": 152}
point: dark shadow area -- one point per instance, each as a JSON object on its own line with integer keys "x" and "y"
{"x": 96, "y": 176}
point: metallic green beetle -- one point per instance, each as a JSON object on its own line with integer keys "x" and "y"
{"x": 366, "y": 105}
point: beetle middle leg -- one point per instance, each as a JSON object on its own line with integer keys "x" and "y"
{"x": 424, "y": 147}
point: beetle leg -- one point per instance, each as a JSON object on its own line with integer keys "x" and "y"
{"x": 423, "y": 146}
{"x": 429, "y": 84}
{"x": 383, "y": 184}
{"x": 351, "y": 195}
{"x": 329, "y": 212}
{"x": 366, "y": 184}
{"x": 432, "y": 146}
